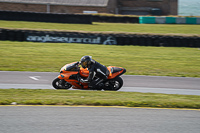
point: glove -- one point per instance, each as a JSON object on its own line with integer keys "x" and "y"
{"x": 81, "y": 80}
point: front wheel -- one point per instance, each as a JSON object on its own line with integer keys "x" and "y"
{"x": 114, "y": 84}
{"x": 61, "y": 84}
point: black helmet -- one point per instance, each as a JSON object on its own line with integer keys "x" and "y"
{"x": 86, "y": 61}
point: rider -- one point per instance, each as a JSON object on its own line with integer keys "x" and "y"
{"x": 95, "y": 70}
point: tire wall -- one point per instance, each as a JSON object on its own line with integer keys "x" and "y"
{"x": 99, "y": 38}
{"x": 88, "y": 19}
{"x": 115, "y": 19}
{"x": 46, "y": 17}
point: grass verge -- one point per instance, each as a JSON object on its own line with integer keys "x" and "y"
{"x": 106, "y": 27}
{"x": 96, "y": 98}
{"x": 138, "y": 60}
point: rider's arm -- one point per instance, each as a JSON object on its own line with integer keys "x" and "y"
{"x": 91, "y": 75}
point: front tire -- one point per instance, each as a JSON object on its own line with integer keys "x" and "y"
{"x": 114, "y": 84}
{"x": 60, "y": 84}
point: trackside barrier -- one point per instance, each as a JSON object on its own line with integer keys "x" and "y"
{"x": 64, "y": 18}
{"x": 100, "y": 38}
{"x": 46, "y": 17}
{"x": 147, "y": 20}
{"x": 198, "y": 20}
{"x": 88, "y": 19}
{"x": 169, "y": 20}
{"x": 191, "y": 20}
{"x": 160, "y": 20}
{"x": 180, "y": 21}
{"x": 115, "y": 19}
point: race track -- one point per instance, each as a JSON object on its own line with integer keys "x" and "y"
{"x": 65, "y": 119}
{"x": 55, "y": 119}
{"x": 132, "y": 83}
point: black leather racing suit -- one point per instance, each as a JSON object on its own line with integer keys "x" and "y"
{"x": 96, "y": 70}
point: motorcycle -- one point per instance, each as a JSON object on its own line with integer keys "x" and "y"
{"x": 70, "y": 75}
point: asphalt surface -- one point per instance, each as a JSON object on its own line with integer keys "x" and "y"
{"x": 48, "y": 119}
{"x": 132, "y": 83}
{"x": 62, "y": 119}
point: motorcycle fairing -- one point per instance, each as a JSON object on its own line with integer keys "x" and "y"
{"x": 70, "y": 67}
{"x": 115, "y": 71}
{"x": 71, "y": 72}
{"x": 84, "y": 72}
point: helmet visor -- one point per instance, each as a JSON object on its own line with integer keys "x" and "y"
{"x": 84, "y": 64}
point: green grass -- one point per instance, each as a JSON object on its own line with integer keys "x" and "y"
{"x": 106, "y": 27}
{"x": 97, "y": 98}
{"x": 159, "y": 61}
{"x": 138, "y": 60}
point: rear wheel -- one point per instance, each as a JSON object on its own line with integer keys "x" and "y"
{"x": 114, "y": 84}
{"x": 61, "y": 84}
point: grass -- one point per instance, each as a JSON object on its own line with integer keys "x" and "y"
{"x": 138, "y": 60}
{"x": 159, "y": 61}
{"x": 97, "y": 98}
{"x": 106, "y": 27}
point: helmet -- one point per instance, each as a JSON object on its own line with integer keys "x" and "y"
{"x": 86, "y": 61}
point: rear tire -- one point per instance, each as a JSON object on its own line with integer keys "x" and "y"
{"x": 114, "y": 84}
{"x": 58, "y": 84}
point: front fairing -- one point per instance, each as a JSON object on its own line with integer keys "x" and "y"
{"x": 71, "y": 73}
{"x": 70, "y": 67}
{"x": 84, "y": 72}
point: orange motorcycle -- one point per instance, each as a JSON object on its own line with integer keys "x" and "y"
{"x": 71, "y": 73}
